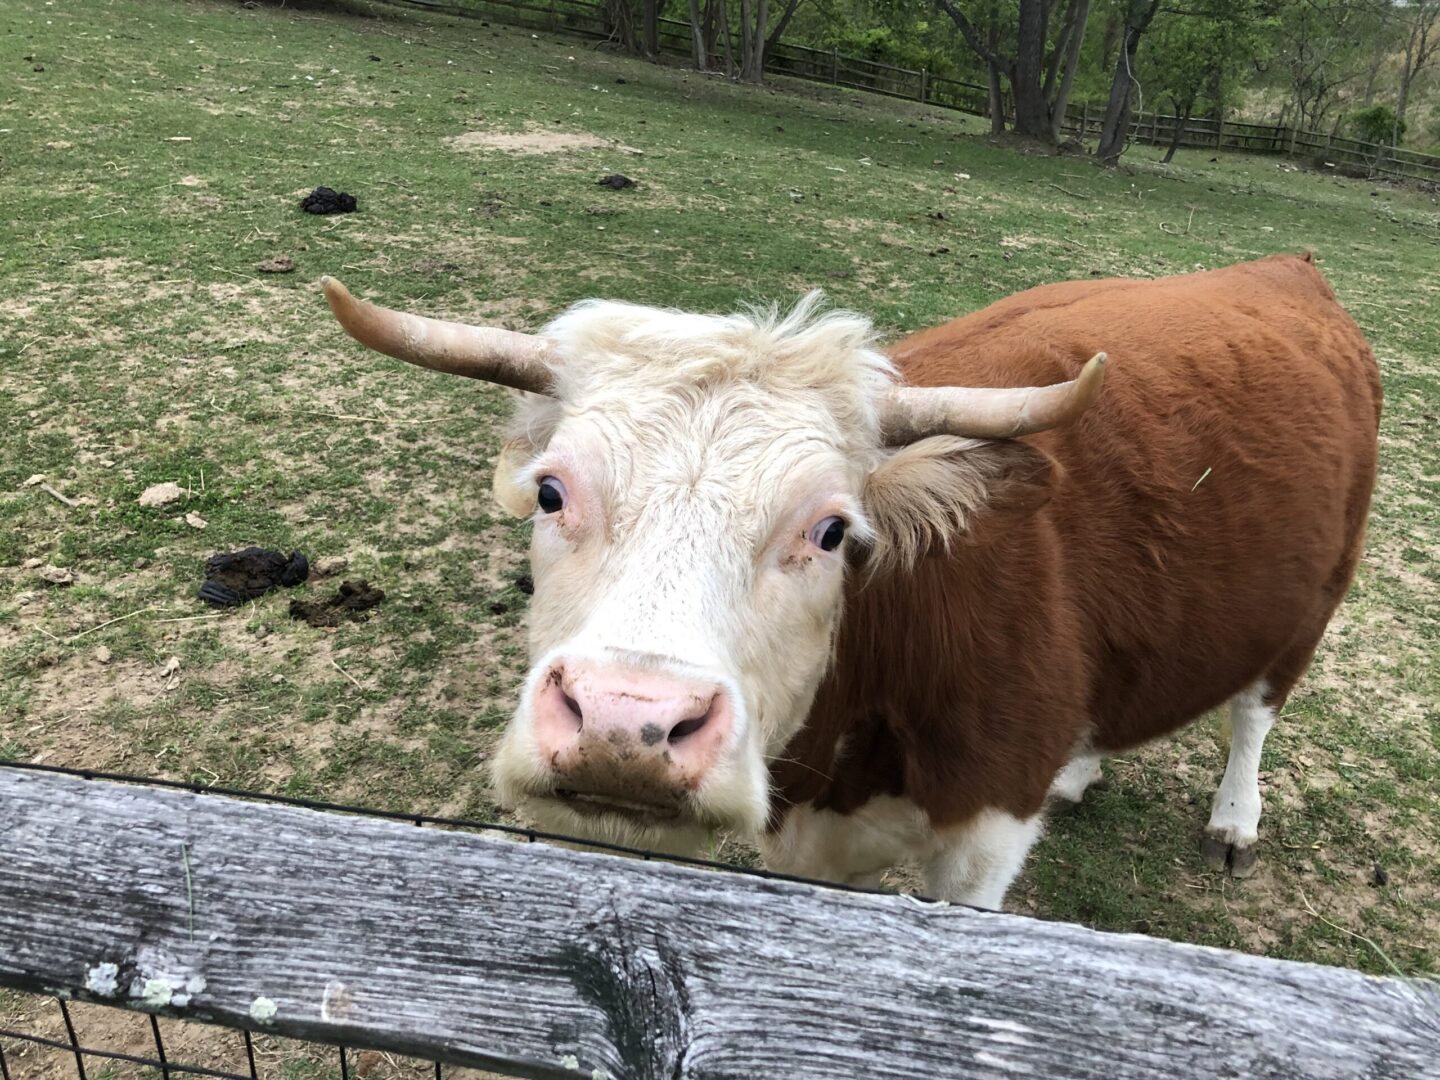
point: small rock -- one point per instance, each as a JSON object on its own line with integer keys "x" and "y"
{"x": 106, "y": 463}
{"x": 195, "y": 521}
{"x": 171, "y": 673}
{"x": 373, "y": 57}
{"x": 55, "y": 575}
{"x": 327, "y": 565}
{"x": 161, "y": 494}
{"x": 24, "y": 599}
{"x": 141, "y": 563}
{"x": 276, "y": 680}
{"x": 280, "y": 264}
{"x": 617, "y": 181}
{"x": 38, "y": 478}
{"x": 102, "y": 655}
{"x": 262, "y": 631}
{"x": 619, "y": 82}
{"x": 1380, "y": 876}
{"x": 32, "y": 564}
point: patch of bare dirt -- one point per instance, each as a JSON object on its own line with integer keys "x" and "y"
{"x": 533, "y": 140}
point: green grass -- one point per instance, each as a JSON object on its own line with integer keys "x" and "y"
{"x": 139, "y": 344}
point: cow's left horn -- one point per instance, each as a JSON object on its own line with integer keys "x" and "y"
{"x": 909, "y": 413}
{"x": 476, "y": 352}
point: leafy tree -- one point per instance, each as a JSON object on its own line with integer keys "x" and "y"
{"x": 1196, "y": 57}
{"x": 1377, "y": 124}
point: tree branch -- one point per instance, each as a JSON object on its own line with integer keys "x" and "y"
{"x": 971, "y": 35}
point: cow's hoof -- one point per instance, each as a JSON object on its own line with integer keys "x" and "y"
{"x": 1060, "y": 806}
{"x": 1238, "y": 860}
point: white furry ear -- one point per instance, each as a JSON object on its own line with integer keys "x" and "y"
{"x": 936, "y": 493}
{"x": 515, "y": 497}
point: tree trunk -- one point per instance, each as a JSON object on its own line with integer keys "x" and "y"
{"x": 651, "y": 40}
{"x": 697, "y": 38}
{"x": 754, "y": 14}
{"x": 1115, "y": 131}
{"x": 723, "y": 30}
{"x": 621, "y": 25}
{"x": 996, "y": 95}
{"x": 1032, "y": 113}
{"x": 1182, "y": 118}
{"x": 791, "y": 7}
{"x": 1061, "y": 100}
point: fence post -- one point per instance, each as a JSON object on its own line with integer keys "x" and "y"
{"x": 1293, "y": 132}
{"x": 924, "y": 80}
{"x": 1220, "y": 132}
{"x": 835, "y": 66}
{"x": 1084, "y": 120}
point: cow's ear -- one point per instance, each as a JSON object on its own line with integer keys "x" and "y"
{"x": 516, "y": 496}
{"x": 531, "y": 426}
{"x": 938, "y": 493}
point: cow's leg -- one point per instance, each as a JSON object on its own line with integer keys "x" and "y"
{"x": 1235, "y": 815}
{"x": 1071, "y": 782}
{"x": 981, "y": 859}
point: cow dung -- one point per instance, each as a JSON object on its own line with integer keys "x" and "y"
{"x": 353, "y": 602}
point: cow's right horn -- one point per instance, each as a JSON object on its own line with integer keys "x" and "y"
{"x": 476, "y": 352}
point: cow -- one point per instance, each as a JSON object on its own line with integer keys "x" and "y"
{"x": 879, "y": 608}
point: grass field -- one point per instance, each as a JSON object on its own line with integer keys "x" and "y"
{"x": 161, "y": 154}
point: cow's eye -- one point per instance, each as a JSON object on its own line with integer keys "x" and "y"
{"x": 551, "y": 495}
{"x": 828, "y": 534}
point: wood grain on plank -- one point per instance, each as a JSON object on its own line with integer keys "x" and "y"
{"x": 546, "y": 962}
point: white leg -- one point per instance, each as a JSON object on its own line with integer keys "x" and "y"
{"x": 982, "y": 859}
{"x": 1070, "y": 783}
{"x": 1235, "y": 815}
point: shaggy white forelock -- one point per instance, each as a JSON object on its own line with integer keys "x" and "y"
{"x": 605, "y": 345}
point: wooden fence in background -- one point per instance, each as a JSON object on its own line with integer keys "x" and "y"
{"x": 1083, "y": 120}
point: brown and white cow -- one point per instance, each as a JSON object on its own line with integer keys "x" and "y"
{"x": 831, "y": 597}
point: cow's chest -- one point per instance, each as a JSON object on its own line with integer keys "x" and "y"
{"x": 856, "y": 847}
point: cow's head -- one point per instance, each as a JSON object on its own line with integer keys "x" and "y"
{"x": 699, "y": 485}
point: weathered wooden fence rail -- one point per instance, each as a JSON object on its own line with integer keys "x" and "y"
{"x": 546, "y": 962}
{"x": 1082, "y": 120}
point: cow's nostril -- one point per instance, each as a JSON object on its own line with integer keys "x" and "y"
{"x": 574, "y": 707}
{"x": 688, "y": 727}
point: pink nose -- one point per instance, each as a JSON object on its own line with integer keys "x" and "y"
{"x": 627, "y": 736}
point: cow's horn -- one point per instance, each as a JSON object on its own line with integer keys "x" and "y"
{"x": 909, "y": 413}
{"x": 476, "y": 352}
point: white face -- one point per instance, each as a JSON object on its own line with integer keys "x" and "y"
{"x": 697, "y": 486}
{"x": 691, "y": 532}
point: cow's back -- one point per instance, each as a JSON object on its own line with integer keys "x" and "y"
{"x": 1208, "y": 518}
{"x": 1216, "y": 494}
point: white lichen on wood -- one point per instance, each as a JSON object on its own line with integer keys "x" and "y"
{"x": 262, "y": 1010}
{"x": 103, "y": 980}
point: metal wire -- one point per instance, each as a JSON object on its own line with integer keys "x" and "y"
{"x": 112, "y": 1055}
{"x": 250, "y": 1054}
{"x": 344, "y": 1066}
{"x": 159, "y": 1047}
{"x": 449, "y": 822}
{"x": 74, "y": 1042}
{"x": 5, "y": 1072}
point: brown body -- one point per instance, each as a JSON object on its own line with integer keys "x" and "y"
{"x": 1205, "y": 519}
